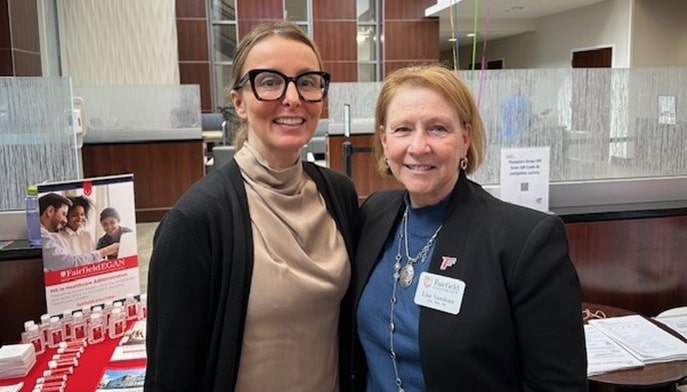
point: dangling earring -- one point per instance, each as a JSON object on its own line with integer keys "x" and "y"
{"x": 386, "y": 162}
{"x": 463, "y": 163}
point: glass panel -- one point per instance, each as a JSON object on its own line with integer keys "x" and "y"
{"x": 225, "y": 40}
{"x": 600, "y": 123}
{"x": 367, "y": 72}
{"x": 223, "y": 10}
{"x": 366, "y": 40}
{"x": 296, "y": 10}
{"x": 366, "y": 10}
{"x": 222, "y": 85}
{"x": 36, "y": 139}
{"x": 141, "y": 113}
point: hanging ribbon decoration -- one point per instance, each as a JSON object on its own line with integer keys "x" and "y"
{"x": 454, "y": 38}
{"x": 474, "y": 43}
{"x": 484, "y": 55}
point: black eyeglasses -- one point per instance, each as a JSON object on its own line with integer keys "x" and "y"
{"x": 270, "y": 85}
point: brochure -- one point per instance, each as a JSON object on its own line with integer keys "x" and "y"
{"x": 94, "y": 260}
{"x": 133, "y": 343}
{"x": 122, "y": 380}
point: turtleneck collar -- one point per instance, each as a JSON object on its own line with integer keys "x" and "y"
{"x": 255, "y": 167}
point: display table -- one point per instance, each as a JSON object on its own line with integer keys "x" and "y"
{"x": 92, "y": 364}
{"x": 660, "y": 377}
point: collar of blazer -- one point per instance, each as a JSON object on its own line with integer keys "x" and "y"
{"x": 384, "y": 209}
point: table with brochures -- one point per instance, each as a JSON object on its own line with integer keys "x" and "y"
{"x": 651, "y": 377}
{"x": 94, "y": 363}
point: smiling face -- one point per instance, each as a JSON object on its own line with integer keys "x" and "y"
{"x": 57, "y": 218}
{"x": 424, "y": 140}
{"x": 110, "y": 225}
{"x": 76, "y": 217}
{"x": 279, "y": 129}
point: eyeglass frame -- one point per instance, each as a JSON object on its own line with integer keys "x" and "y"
{"x": 250, "y": 76}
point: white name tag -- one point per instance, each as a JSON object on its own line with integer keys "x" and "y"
{"x": 440, "y": 292}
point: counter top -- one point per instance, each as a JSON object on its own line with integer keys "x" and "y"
{"x": 127, "y": 135}
{"x": 619, "y": 212}
{"x": 19, "y": 250}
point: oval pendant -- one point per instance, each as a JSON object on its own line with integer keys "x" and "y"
{"x": 406, "y": 275}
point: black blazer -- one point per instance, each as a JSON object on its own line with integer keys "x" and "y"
{"x": 520, "y": 326}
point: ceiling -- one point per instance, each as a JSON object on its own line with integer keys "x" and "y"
{"x": 496, "y": 19}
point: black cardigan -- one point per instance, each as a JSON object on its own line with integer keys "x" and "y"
{"x": 200, "y": 274}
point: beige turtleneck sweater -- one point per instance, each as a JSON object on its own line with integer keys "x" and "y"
{"x": 301, "y": 272}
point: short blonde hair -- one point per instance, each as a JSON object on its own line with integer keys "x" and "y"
{"x": 447, "y": 83}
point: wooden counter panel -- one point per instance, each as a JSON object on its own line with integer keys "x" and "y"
{"x": 363, "y": 165}
{"x": 22, "y": 296}
{"x": 162, "y": 170}
{"x": 635, "y": 264}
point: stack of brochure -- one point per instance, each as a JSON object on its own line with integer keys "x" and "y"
{"x": 133, "y": 343}
{"x": 16, "y": 360}
{"x": 637, "y": 337}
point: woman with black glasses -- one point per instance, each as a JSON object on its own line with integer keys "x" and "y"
{"x": 251, "y": 266}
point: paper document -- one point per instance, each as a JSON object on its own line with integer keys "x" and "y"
{"x": 605, "y": 355}
{"x": 643, "y": 339}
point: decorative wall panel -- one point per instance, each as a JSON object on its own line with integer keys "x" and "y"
{"x": 118, "y": 42}
{"x": 336, "y": 40}
{"x": 36, "y": 142}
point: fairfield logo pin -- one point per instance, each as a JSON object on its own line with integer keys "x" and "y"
{"x": 446, "y": 262}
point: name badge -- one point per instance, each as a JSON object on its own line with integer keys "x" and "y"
{"x": 440, "y": 292}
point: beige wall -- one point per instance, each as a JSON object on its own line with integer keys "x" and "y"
{"x": 643, "y": 33}
{"x": 659, "y": 33}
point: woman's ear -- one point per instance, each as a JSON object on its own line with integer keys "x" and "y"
{"x": 467, "y": 137}
{"x": 382, "y": 137}
{"x": 239, "y": 104}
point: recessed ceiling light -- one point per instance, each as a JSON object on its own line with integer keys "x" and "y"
{"x": 451, "y": 40}
{"x": 471, "y": 35}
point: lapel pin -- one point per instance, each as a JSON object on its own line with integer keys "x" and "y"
{"x": 446, "y": 262}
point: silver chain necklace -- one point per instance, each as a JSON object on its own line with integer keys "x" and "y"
{"x": 404, "y": 277}
{"x": 407, "y": 272}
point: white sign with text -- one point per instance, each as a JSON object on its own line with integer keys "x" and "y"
{"x": 525, "y": 177}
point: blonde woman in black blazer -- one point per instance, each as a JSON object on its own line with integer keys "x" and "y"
{"x": 455, "y": 289}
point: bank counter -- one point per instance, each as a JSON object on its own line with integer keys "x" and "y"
{"x": 154, "y": 132}
{"x": 164, "y": 163}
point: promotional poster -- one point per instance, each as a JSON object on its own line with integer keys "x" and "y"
{"x": 88, "y": 240}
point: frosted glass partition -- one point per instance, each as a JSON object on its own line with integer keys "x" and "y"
{"x": 140, "y": 113}
{"x": 37, "y": 142}
{"x": 599, "y": 123}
